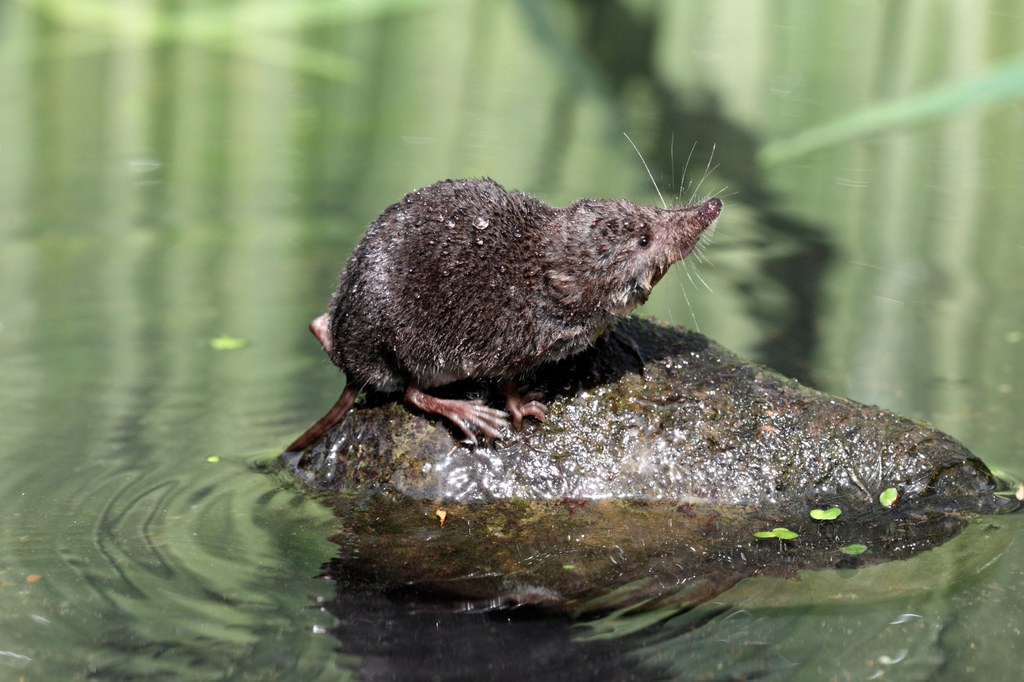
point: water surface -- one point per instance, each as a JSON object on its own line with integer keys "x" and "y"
{"x": 174, "y": 175}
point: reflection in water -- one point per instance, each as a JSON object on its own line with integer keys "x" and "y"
{"x": 407, "y": 636}
{"x": 801, "y": 626}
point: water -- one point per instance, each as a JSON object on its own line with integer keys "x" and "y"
{"x": 176, "y": 176}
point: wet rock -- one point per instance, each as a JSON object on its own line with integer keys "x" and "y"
{"x": 662, "y": 455}
{"x": 657, "y": 413}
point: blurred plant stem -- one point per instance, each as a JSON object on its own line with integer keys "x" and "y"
{"x": 1002, "y": 84}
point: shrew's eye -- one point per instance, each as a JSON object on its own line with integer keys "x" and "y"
{"x": 644, "y": 240}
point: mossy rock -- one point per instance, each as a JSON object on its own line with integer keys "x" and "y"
{"x": 662, "y": 455}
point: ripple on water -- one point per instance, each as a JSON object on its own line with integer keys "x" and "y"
{"x": 186, "y": 571}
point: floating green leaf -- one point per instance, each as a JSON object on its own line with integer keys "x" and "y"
{"x": 854, "y": 549}
{"x": 780, "y": 533}
{"x": 829, "y": 514}
{"x": 888, "y": 497}
{"x": 227, "y": 343}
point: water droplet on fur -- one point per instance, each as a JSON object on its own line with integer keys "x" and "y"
{"x": 481, "y": 222}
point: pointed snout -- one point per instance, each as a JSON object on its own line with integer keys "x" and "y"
{"x": 690, "y": 223}
{"x": 710, "y": 210}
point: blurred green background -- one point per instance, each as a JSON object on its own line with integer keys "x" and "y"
{"x": 176, "y": 172}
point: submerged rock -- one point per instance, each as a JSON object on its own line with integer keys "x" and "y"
{"x": 661, "y": 456}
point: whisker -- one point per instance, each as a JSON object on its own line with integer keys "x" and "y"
{"x": 689, "y": 276}
{"x": 686, "y": 166}
{"x": 723, "y": 192}
{"x": 702, "y": 280}
{"x": 672, "y": 157}
{"x": 708, "y": 170}
{"x": 696, "y": 325}
{"x": 699, "y": 251}
{"x": 649, "y": 174}
{"x": 705, "y": 177}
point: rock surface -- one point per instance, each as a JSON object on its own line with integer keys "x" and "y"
{"x": 661, "y": 456}
{"x": 657, "y": 413}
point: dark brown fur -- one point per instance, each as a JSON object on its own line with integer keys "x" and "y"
{"x": 464, "y": 279}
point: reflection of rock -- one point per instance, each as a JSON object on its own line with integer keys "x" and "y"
{"x": 662, "y": 454}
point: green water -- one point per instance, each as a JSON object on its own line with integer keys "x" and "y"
{"x": 176, "y": 172}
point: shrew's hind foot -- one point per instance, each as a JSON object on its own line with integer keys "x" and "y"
{"x": 471, "y": 416}
{"x": 520, "y": 405}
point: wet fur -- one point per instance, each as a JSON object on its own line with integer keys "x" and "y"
{"x": 464, "y": 279}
